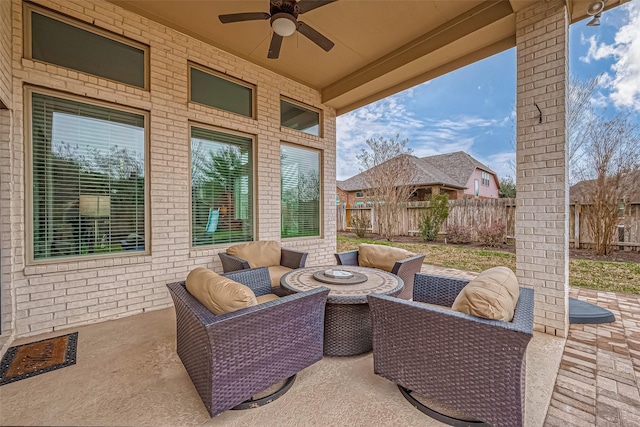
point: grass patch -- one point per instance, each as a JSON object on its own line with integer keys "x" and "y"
{"x": 607, "y": 276}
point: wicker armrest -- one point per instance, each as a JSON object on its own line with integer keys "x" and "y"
{"x": 437, "y": 290}
{"x": 231, "y": 263}
{"x": 292, "y": 258}
{"x": 255, "y": 278}
{"x": 347, "y": 258}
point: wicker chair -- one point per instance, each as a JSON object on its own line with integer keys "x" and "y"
{"x": 289, "y": 260}
{"x": 234, "y": 356}
{"x": 456, "y": 362}
{"x": 405, "y": 268}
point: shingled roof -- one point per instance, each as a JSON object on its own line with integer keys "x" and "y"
{"x": 429, "y": 171}
{"x": 459, "y": 165}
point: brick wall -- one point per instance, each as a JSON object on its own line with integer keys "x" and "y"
{"x": 542, "y": 222}
{"x": 66, "y": 294}
{"x": 5, "y": 53}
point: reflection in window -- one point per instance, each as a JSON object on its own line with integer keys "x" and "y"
{"x": 476, "y": 189}
{"x": 214, "y": 91}
{"x": 300, "y": 191}
{"x": 221, "y": 188}
{"x": 63, "y": 44}
{"x": 296, "y": 117}
{"x": 88, "y": 179}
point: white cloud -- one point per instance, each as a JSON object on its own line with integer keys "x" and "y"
{"x": 502, "y": 163}
{"x": 624, "y": 79}
{"x": 391, "y": 116}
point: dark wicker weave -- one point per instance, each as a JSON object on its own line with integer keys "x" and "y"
{"x": 288, "y": 258}
{"x": 405, "y": 269}
{"x": 474, "y": 365}
{"x": 233, "y": 356}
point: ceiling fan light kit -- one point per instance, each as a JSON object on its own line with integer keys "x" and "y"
{"x": 284, "y": 22}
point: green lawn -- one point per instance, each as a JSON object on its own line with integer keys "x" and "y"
{"x": 610, "y": 276}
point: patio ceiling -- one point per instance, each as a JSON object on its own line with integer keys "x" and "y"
{"x": 381, "y": 47}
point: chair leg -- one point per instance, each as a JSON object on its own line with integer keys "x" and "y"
{"x": 456, "y": 422}
{"x": 256, "y": 403}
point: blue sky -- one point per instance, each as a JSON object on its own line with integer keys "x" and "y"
{"x": 471, "y": 109}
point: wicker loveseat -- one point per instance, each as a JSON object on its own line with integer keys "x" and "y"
{"x": 265, "y": 253}
{"x": 234, "y": 356}
{"x": 394, "y": 260}
{"x": 467, "y": 365}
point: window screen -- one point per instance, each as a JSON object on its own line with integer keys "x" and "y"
{"x": 88, "y": 179}
{"x": 62, "y": 44}
{"x": 214, "y": 91}
{"x": 221, "y": 188}
{"x": 295, "y": 117}
{"x": 300, "y": 191}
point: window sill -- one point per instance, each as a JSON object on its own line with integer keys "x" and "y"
{"x": 57, "y": 266}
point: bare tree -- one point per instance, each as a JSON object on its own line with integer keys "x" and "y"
{"x": 388, "y": 179}
{"x": 580, "y": 116}
{"x": 609, "y": 166}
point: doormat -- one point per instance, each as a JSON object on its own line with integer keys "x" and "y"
{"x": 29, "y": 360}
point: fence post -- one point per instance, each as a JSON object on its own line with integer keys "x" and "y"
{"x": 576, "y": 226}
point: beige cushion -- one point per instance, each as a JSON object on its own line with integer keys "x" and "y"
{"x": 492, "y": 295}
{"x": 379, "y": 256}
{"x": 219, "y": 294}
{"x": 276, "y": 272}
{"x": 257, "y": 254}
{"x": 266, "y": 298}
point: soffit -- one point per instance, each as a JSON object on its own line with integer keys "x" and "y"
{"x": 381, "y": 47}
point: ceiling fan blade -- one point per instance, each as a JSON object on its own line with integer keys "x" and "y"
{"x": 248, "y": 16}
{"x": 274, "y": 47}
{"x": 305, "y": 6}
{"x": 315, "y": 36}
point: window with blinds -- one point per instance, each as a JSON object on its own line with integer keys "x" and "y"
{"x": 88, "y": 178}
{"x": 297, "y": 117}
{"x": 65, "y": 42}
{"x": 221, "y": 187}
{"x": 300, "y": 191}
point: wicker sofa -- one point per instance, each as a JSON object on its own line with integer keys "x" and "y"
{"x": 264, "y": 253}
{"x": 393, "y": 260}
{"x": 234, "y": 356}
{"x": 465, "y": 364}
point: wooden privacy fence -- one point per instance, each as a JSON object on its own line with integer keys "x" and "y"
{"x": 472, "y": 214}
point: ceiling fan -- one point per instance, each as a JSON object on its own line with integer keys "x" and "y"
{"x": 284, "y": 21}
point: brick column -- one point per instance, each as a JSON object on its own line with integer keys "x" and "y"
{"x": 542, "y": 213}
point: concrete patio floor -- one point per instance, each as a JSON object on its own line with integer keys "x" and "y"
{"x": 128, "y": 373}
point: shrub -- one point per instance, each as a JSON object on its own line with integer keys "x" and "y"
{"x": 360, "y": 225}
{"x": 458, "y": 233}
{"x": 433, "y": 216}
{"x": 493, "y": 234}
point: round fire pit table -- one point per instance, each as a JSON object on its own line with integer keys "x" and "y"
{"x": 347, "y": 326}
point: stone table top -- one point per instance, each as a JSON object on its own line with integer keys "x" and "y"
{"x": 378, "y": 281}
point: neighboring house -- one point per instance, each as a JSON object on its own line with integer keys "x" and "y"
{"x": 457, "y": 174}
{"x": 631, "y": 183}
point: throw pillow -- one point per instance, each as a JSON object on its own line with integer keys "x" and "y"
{"x": 492, "y": 295}
{"x": 219, "y": 294}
